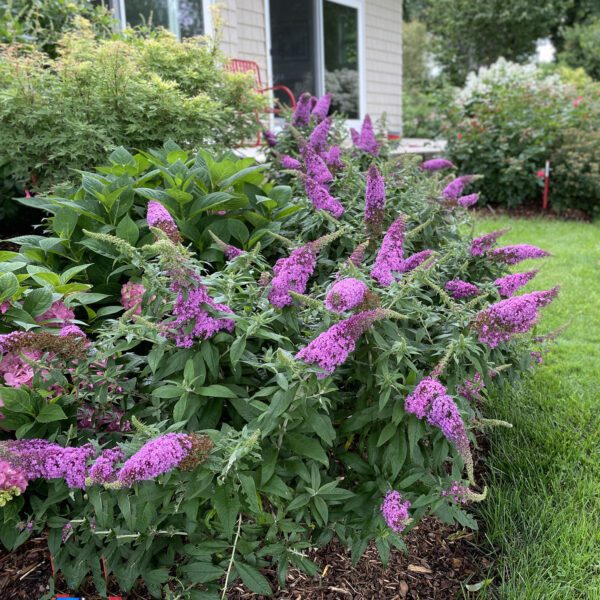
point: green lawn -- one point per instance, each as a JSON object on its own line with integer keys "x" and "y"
{"x": 542, "y": 519}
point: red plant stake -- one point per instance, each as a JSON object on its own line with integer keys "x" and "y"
{"x": 546, "y": 185}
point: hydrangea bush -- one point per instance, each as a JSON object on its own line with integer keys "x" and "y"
{"x": 238, "y": 410}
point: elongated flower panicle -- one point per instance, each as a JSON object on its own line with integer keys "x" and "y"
{"x": 40, "y": 458}
{"x": 12, "y": 482}
{"x": 374, "y": 200}
{"x": 468, "y": 200}
{"x": 158, "y": 456}
{"x": 501, "y": 321}
{"x": 481, "y": 245}
{"x": 270, "y": 138}
{"x": 321, "y": 198}
{"x": 333, "y": 158}
{"x": 459, "y": 289}
{"x": 315, "y": 165}
{"x": 301, "y": 115}
{"x": 511, "y": 255}
{"x": 358, "y": 254}
{"x": 471, "y": 388}
{"x": 345, "y": 295}
{"x": 321, "y": 107}
{"x": 366, "y": 140}
{"x": 160, "y": 218}
{"x": 104, "y": 468}
{"x": 395, "y": 511}
{"x": 462, "y": 494}
{"x": 508, "y": 285}
{"x": 455, "y": 188}
{"x": 390, "y": 258}
{"x": 132, "y": 295}
{"x": 292, "y": 274}
{"x": 415, "y": 260}
{"x": 287, "y": 162}
{"x": 437, "y": 164}
{"x": 228, "y": 250}
{"x": 332, "y": 347}
{"x": 419, "y": 401}
{"x": 192, "y": 318}
{"x": 318, "y": 137}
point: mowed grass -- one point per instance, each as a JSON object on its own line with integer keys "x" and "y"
{"x": 542, "y": 518}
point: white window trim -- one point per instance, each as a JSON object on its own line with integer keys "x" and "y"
{"x": 359, "y": 5}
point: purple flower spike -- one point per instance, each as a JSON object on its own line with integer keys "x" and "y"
{"x": 395, "y": 511}
{"x": 318, "y": 138}
{"x": 437, "y": 164}
{"x": 390, "y": 257}
{"x": 374, "y": 200}
{"x": 461, "y": 289}
{"x": 415, "y": 260}
{"x": 292, "y": 274}
{"x": 302, "y": 113}
{"x": 481, "y": 245}
{"x": 508, "y": 285}
{"x": 159, "y": 217}
{"x": 103, "y": 470}
{"x": 419, "y": 401}
{"x": 315, "y": 165}
{"x": 345, "y": 294}
{"x": 270, "y": 138}
{"x": 332, "y": 347}
{"x": 333, "y": 157}
{"x": 445, "y": 414}
{"x": 287, "y": 162}
{"x": 468, "y": 200}
{"x": 511, "y": 255}
{"x": 156, "y": 457}
{"x": 501, "y": 321}
{"x": 321, "y": 198}
{"x": 366, "y": 141}
{"x": 321, "y": 108}
{"x": 455, "y": 188}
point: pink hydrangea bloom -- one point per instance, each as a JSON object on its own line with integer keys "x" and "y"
{"x": 16, "y": 370}
{"x": 4, "y": 307}
{"x": 321, "y": 198}
{"x": 481, "y": 245}
{"x": 374, "y": 199}
{"x": 437, "y": 164}
{"x": 59, "y": 313}
{"x": 158, "y": 456}
{"x": 508, "y": 285}
{"x": 461, "y": 289}
{"x": 292, "y": 274}
{"x": 395, "y": 511}
{"x": 499, "y": 322}
{"x": 390, "y": 258}
{"x": 321, "y": 107}
{"x": 332, "y": 347}
{"x": 318, "y": 137}
{"x": 345, "y": 294}
{"x": 132, "y": 295}
{"x": 12, "y": 479}
{"x": 511, "y": 255}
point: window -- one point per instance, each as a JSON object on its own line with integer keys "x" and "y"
{"x": 185, "y": 18}
{"x": 316, "y": 47}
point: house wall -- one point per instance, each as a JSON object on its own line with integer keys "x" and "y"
{"x": 383, "y": 60}
{"x": 244, "y": 36}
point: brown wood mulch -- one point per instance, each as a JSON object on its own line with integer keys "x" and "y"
{"x": 439, "y": 561}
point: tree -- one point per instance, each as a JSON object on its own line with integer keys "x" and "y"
{"x": 582, "y": 47}
{"x": 474, "y": 33}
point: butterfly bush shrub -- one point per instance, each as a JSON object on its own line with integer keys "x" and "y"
{"x": 235, "y": 412}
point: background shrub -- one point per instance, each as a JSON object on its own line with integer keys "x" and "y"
{"x": 135, "y": 91}
{"x": 582, "y": 47}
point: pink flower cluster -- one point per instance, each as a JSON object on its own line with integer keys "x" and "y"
{"x": 455, "y": 188}
{"x": 11, "y": 479}
{"x": 459, "y": 289}
{"x": 57, "y": 315}
{"x": 395, "y": 511}
{"x": 160, "y": 218}
{"x": 345, "y": 295}
{"x": 437, "y": 164}
{"x": 430, "y": 399}
{"x": 481, "y": 245}
{"x": 332, "y": 347}
{"x": 374, "y": 200}
{"x": 288, "y": 162}
{"x": 318, "y": 137}
{"x": 104, "y": 468}
{"x": 321, "y": 198}
{"x": 301, "y": 115}
{"x": 15, "y": 368}
{"x": 333, "y": 157}
{"x": 292, "y": 274}
{"x": 321, "y": 107}
{"x": 511, "y": 255}
{"x": 192, "y": 319}
{"x": 471, "y": 388}
{"x": 501, "y": 321}
{"x": 508, "y": 285}
{"x": 132, "y": 295}
{"x": 365, "y": 140}
{"x": 457, "y": 492}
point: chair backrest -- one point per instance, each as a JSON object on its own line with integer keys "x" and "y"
{"x": 239, "y": 65}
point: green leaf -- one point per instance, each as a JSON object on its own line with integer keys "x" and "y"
{"x": 51, "y": 413}
{"x": 253, "y": 579}
{"x": 64, "y": 222}
{"x": 37, "y": 302}
{"x": 306, "y": 446}
{"x": 249, "y": 488}
{"x": 227, "y": 507}
{"x": 387, "y": 433}
{"x": 202, "y": 572}
{"x": 216, "y": 391}
{"x": 9, "y": 285}
{"x": 127, "y": 230}
{"x": 168, "y": 391}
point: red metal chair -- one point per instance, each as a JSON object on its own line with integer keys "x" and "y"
{"x": 238, "y": 65}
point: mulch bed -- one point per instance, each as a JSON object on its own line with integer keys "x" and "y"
{"x": 533, "y": 211}
{"x": 439, "y": 560}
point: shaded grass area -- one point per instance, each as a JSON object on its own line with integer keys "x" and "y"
{"x": 542, "y": 518}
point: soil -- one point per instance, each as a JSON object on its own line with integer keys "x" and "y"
{"x": 533, "y": 211}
